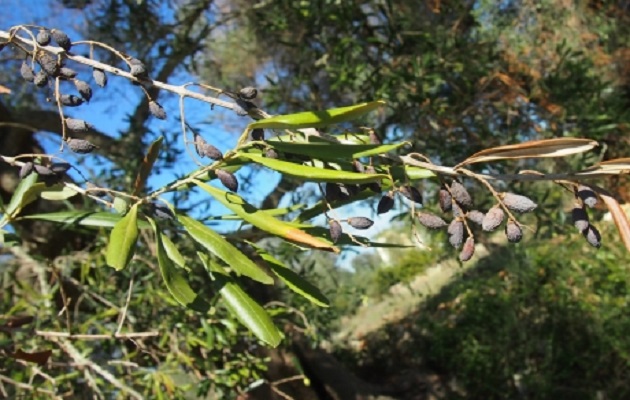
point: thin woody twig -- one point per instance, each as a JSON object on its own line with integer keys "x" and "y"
{"x": 182, "y": 91}
{"x": 74, "y": 353}
{"x": 66, "y": 335}
{"x": 124, "y": 309}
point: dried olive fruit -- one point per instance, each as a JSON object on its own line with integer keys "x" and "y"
{"x": 475, "y": 216}
{"x": 374, "y": 139}
{"x": 49, "y": 64}
{"x": 271, "y": 153}
{"x": 335, "y": 230}
{"x": 77, "y": 125}
{"x": 26, "y": 169}
{"x": 468, "y": 250}
{"x": 68, "y": 73}
{"x": 333, "y": 193}
{"x": 352, "y": 190}
{"x": 162, "y": 211}
{"x": 375, "y": 187}
{"x": 50, "y": 180}
{"x": 493, "y": 219}
{"x": 357, "y": 166}
{"x": 27, "y": 72}
{"x": 84, "y": 89}
{"x": 240, "y": 107}
{"x": 137, "y": 68}
{"x": 156, "y": 110}
{"x": 445, "y": 200}
{"x": 258, "y": 134}
{"x": 411, "y": 193}
{"x": 431, "y": 221}
{"x": 41, "y": 79}
{"x": 99, "y": 77}
{"x": 61, "y": 39}
{"x": 385, "y": 204}
{"x": 456, "y": 233}
{"x": 580, "y": 218}
{"x": 42, "y": 170}
{"x": 518, "y": 203}
{"x": 457, "y": 211}
{"x": 360, "y": 222}
{"x": 593, "y": 237}
{"x": 212, "y": 152}
{"x": 80, "y": 146}
{"x": 461, "y": 195}
{"x": 227, "y": 179}
{"x": 43, "y": 37}
{"x": 513, "y": 232}
{"x": 199, "y": 145}
{"x": 248, "y": 93}
{"x": 60, "y": 167}
{"x": 454, "y": 227}
{"x": 587, "y": 195}
{"x": 70, "y": 100}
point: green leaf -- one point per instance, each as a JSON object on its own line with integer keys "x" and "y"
{"x": 83, "y": 218}
{"x": 173, "y": 279}
{"x": 20, "y": 197}
{"x": 265, "y": 221}
{"x": 316, "y": 119}
{"x": 58, "y": 193}
{"x": 121, "y": 205}
{"x": 172, "y": 252}
{"x": 314, "y": 174}
{"x": 122, "y": 240}
{"x": 333, "y": 151}
{"x": 216, "y": 244}
{"x": 243, "y": 307}
{"x": 293, "y": 281}
{"x": 271, "y": 212}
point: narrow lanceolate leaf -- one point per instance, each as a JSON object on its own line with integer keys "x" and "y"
{"x": 272, "y": 212}
{"x": 619, "y": 216}
{"x": 20, "y": 196}
{"x": 58, "y": 193}
{"x": 559, "y": 147}
{"x": 313, "y": 174}
{"x": 265, "y": 221}
{"x": 293, "y": 281}
{"x": 244, "y": 308}
{"x": 615, "y": 166}
{"x": 220, "y": 247}
{"x": 172, "y": 252}
{"x": 316, "y": 119}
{"x": 122, "y": 240}
{"x": 332, "y": 151}
{"x": 174, "y": 280}
{"x": 147, "y": 165}
{"x": 83, "y": 218}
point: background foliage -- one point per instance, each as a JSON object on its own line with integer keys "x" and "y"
{"x": 540, "y": 320}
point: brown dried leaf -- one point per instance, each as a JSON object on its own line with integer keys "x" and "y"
{"x": 615, "y": 166}
{"x": 620, "y": 218}
{"x": 39, "y": 357}
{"x": 16, "y": 322}
{"x": 559, "y": 147}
